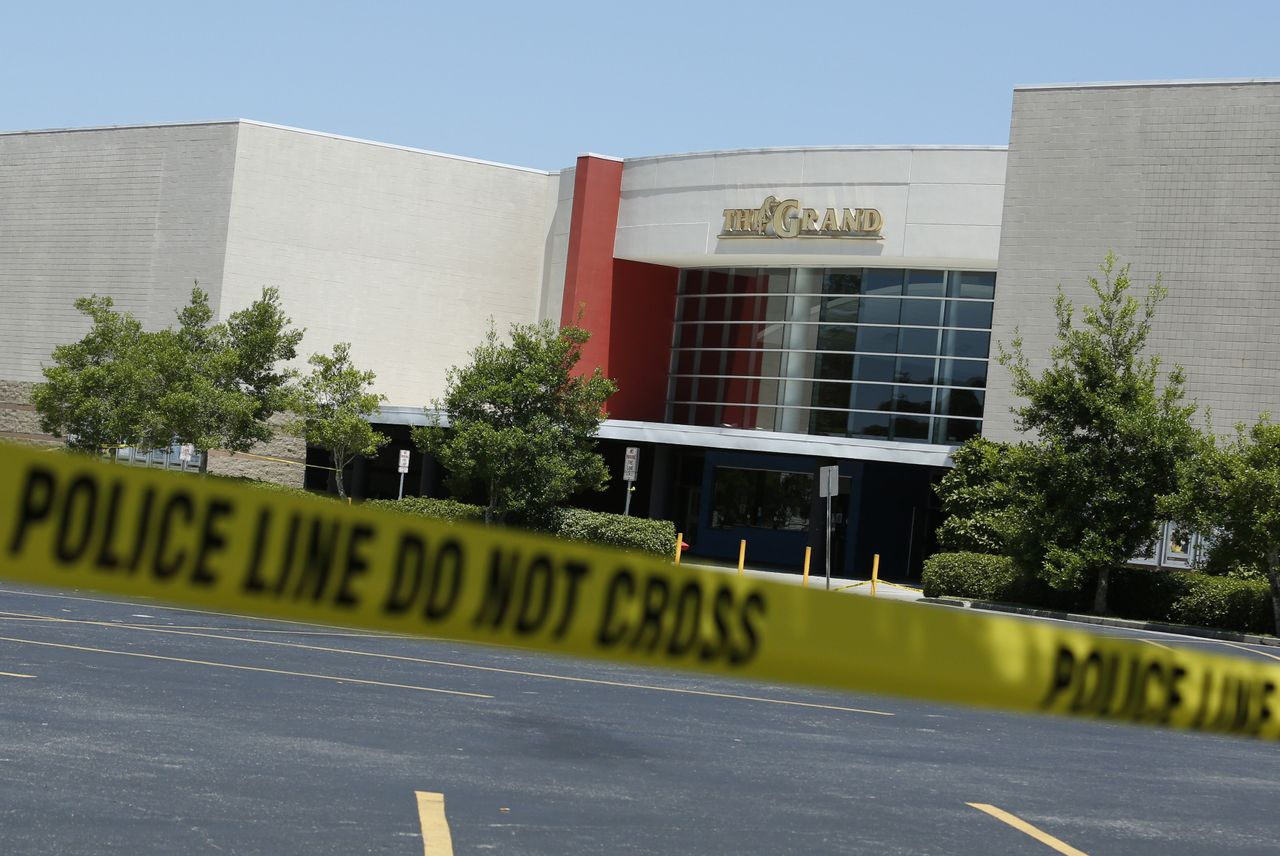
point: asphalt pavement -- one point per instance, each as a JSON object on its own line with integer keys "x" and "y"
{"x": 143, "y": 729}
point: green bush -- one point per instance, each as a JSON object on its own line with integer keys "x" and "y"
{"x": 1188, "y": 597}
{"x": 596, "y": 527}
{"x": 616, "y": 530}
{"x": 425, "y": 506}
{"x": 1230, "y": 604}
{"x": 979, "y": 576}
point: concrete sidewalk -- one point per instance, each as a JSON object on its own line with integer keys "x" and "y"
{"x": 898, "y": 591}
{"x": 893, "y": 591}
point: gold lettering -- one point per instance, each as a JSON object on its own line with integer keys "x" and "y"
{"x": 869, "y": 220}
{"x": 786, "y": 223}
{"x": 787, "y": 219}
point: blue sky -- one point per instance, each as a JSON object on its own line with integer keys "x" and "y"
{"x": 537, "y": 83}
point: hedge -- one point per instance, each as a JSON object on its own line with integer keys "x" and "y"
{"x": 425, "y": 506}
{"x": 616, "y": 530}
{"x": 1187, "y": 597}
{"x": 597, "y": 527}
{"x": 979, "y": 576}
{"x": 1175, "y": 597}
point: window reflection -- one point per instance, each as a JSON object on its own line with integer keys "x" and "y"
{"x": 883, "y": 353}
{"x": 764, "y": 499}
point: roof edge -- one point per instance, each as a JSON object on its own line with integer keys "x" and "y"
{"x": 1135, "y": 84}
{"x": 129, "y": 127}
{"x": 209, "y": 122}
{"x": 840, "y": 148}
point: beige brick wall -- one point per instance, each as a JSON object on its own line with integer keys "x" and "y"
{"x": 18, "y": 420}
{"x": 291, "y": 451}
{"x": 1182, "y": 180}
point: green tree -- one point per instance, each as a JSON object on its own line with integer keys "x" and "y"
{"x": 333, "y": 405}
{"x": 258, "y": 340}
{"x": 227, "y": 377}
{"x": 521, "y": 424}
{"x": 210, "y": 384}
{"x": 1231, "y": 494}
{"x": 1108, "y": 436}
{"x": 94, "y": 395}
{"x": 980, "y": 497}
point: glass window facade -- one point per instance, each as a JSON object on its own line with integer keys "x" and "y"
{"x": 886, "y": 353}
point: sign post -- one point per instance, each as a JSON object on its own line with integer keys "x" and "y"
{"x": 630, "y": 464}
{"x": 404, "y": 468}
{"x": 828, "y": 486}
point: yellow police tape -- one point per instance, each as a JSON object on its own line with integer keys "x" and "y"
{"x": 71, "y": 521}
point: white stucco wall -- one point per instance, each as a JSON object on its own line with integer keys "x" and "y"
{"x": 560, "y": 200}
{"x": 941, "y": 205}
{"x": 406, "y": 254}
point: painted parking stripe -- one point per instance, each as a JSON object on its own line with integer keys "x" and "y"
{"x": 14, "y": 675}
{"x": 221, "y": 614}
{"x": 454, "y": 665}
{"x": 263, "y": 669}
{"x": 1024, "y": 827}
{"x": 436, "y": 840}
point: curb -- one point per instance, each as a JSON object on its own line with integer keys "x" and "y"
{"x": 1106, "y": 621}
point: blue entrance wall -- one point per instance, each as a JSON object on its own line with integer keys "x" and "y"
{"x": 769, "y": 546}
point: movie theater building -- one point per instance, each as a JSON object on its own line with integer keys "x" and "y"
{"x": 765, "y": 312}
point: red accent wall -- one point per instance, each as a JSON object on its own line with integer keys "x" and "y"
{"x": 629, "y": 307}
{"x": 588, "y": 276}
{"x": 644, "y": 312}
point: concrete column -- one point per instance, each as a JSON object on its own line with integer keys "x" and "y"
{"x": 797, "y": 369}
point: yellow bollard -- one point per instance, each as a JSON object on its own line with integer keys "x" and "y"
{"x": 875, "y": 573}
{"x": 679, "y": 543}
{"x": 807, "y": 551}
{"x": 742, "y": 555}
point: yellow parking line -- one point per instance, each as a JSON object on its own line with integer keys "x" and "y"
{"x": 14, "y": 675}
{"x": 454, "y": 665}
{"x": 1157, "y": 644}
{"x": 1024, "y": 827}
{"x": 340, "y": 680}
{"x": 436, "y": 840}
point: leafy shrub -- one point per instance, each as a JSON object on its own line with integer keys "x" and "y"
{"x": 616, "y": 530}
{"x": 425, "y": 506}
{"x": 973, "y": 575}
{"x": 596, "y": 527}
{"x": 1188, "y": 597}
{"x": 1228, "y": 603}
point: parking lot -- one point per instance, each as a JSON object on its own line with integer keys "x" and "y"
{"x": 141, "y": 728}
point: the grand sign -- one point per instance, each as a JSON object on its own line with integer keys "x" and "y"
{"x": 785, "y": 218}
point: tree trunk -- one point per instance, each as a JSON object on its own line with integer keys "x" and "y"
{"x": 1100, "y": 595}
{"x": 1273, "y": 576}
{"x": 337, "y": 475}
{"x": 493, "y": 502}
